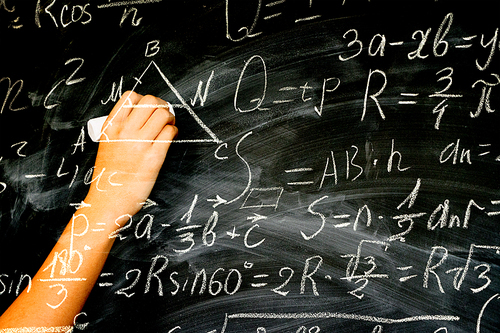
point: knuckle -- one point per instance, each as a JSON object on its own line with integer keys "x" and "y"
{"x": 172, "y": 130}
{"x": 165, "y": 115}
{"x": 149, "y": 99}
{"x": 129, "y": 93}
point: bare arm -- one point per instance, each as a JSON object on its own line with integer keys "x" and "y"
{"x": 131, "y": 152}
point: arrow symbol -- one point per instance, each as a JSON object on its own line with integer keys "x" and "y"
{"x": 256, "y": 217}
{"x": 218, "y": 201}
{"x": 148, "y": 203}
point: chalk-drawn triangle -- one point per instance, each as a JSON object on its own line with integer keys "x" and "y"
{"x": 182, "y": 104}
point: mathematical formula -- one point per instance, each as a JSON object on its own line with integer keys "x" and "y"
{"x": 279, "y": 169}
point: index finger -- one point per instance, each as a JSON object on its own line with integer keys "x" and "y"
{"x": 123, "y": 107}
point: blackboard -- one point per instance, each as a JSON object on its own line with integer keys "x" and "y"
{"x": 336, "y": 169}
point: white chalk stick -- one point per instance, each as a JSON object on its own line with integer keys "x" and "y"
{"x": 94, "y": 126}
{"x": 171, "y": 109}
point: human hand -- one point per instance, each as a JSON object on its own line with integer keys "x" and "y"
{"x": 135, "y": 140}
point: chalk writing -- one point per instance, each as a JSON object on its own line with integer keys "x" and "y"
{"x": 10, "y": 87}
{"x": 336, "y": 167}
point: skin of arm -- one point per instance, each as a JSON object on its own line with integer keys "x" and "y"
{"x": 136, "y": 137}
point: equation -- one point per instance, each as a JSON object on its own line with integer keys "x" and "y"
{"x": 348, "y": 163}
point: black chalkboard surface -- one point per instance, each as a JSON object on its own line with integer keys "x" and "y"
{"x": 336, "y": 170}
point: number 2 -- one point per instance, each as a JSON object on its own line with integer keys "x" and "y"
{"x": 70, "y": 80}
{"x": 355, "y": 292}
{"x": 277, "y": 290}
{"x": 121, "y": 291}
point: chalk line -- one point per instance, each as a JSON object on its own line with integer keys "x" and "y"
{"x": 338, "y": 315}
{"x": 128, "y": 3}
{"x": 60, "y": 329}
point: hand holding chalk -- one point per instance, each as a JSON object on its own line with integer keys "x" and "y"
{"x": 95, "y": 125}
{"x": 135, "y": 140}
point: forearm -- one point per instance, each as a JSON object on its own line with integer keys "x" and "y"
{"x": 134, "y": 143}
{"x": 61, "y": 286}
